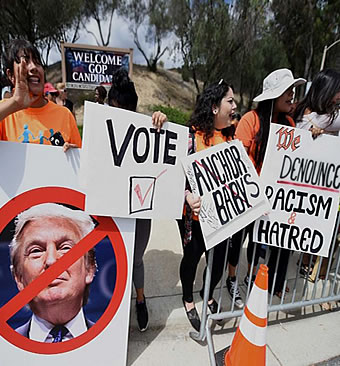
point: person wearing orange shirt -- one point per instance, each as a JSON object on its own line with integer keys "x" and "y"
{"x": 210, "y": 124}
{"x": 28, "y": 116}
{"x": 275, "y": 105}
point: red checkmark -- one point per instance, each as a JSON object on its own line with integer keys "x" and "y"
{"x": 139, "y": 191}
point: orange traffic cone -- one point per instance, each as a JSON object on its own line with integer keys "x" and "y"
{"x": 249, "y": 344}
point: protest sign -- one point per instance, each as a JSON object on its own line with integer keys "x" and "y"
{"x": 129, "y": 169}
{"x": 231, "y": 195}
{"x": 43, "y": 175}
{"x": 302, "y": 181}
{"x": 85, "y": 66}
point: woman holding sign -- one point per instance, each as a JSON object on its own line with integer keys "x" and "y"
{"x": 210, "y": 124}
{"x": 319, "y": 109}
{"x": 275, "y": 104}
{"x": 319, "y": 112}
{"x": 123, "y": 95}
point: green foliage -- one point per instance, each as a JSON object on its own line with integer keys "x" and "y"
{"x": 33, "y": 20}
{"x": 80, "y": 128}
{"x": 174, "y": 115}
{"x": 185, "y": 72}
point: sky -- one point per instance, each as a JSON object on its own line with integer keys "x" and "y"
{"x": 121, "y": 37}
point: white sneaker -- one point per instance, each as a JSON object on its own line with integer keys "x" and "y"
{"x": 233, "y": 289}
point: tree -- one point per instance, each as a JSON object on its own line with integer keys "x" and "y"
{"x": 101, "y": 11}
{"x": 152, "y": 16}
{"x": 305, "y": 36}
{"x": 32, "y": 20}
{"x": 204, "y": 37}
{"x": 215, "y": 39}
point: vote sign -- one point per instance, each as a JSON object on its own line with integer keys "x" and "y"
{"x": 129, "y": 169}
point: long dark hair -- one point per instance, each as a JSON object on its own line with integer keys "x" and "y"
{"x": 320, "y": 95}
{"x": 202, "y": 118}
{"x": 264, "y": 111}
{"x": 122, "y": 91}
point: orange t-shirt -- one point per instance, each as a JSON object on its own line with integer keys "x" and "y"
{"x": 217, "y": 138}
{"x": 246, "y": 131}
{"x": 37, "y": 125}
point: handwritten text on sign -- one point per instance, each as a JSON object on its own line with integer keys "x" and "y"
{"x": 302, "y": 178}
{"x": 130, "y": 168}
{"x": 231, "y": 196}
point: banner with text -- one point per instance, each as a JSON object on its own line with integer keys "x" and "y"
{"x": 58, "y": 265}
{"x": 85, "y": 67}
{"x": 302, "y": 181}
{"x": 129, "y": 169}
{"x": 229, "y": 187}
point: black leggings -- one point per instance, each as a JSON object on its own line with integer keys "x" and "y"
{"x": 192, "y": 253}
{"x": 237, "y": 243}
{"x": 281, "y": 268}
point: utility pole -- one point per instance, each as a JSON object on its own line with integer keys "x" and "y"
{"x": 324, "y": 53}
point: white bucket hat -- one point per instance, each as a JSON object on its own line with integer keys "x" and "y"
{"x": 276, "y": 83}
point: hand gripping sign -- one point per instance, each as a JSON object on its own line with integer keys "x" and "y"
{"x": 106, "y": 228}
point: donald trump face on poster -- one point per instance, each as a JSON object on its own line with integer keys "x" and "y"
{"x": 43, "y": 234}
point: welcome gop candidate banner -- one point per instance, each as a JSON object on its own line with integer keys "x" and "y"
{"x": 302, "y": 181}
{"x": 58, "y": 265}
{"x": 129, "y": 169}
{"x": 85, "y": 66}
{"x": 229, "y": 187}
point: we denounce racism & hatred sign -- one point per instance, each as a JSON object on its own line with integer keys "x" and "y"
{"x": 302, "y": 182}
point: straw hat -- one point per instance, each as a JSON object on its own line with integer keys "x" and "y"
{"x": 276, "y": 83}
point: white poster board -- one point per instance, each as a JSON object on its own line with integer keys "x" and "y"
{"x": 129, "y": 169}
{"x": 302, "y": 180}
{"x": 229, "y": 187}
{"x": 35, "y": 174}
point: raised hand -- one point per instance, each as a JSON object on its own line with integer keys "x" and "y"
{"x": 22, "y": 95}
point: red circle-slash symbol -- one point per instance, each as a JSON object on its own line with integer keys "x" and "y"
{"x": 106, "y": 227}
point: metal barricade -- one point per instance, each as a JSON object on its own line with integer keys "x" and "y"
{"x": 319, "y": 285}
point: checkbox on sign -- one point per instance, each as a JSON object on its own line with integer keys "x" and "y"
{"x": 142, "y": 191}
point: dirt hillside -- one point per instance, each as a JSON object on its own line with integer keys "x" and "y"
{"x": 165, "y": 87}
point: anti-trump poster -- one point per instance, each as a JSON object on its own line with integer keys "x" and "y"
{"x": 301, "y": 176}
{"x": 65, "y": 275}
{"x": 129, "y": 168}
{"x": 231, "y": 195}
